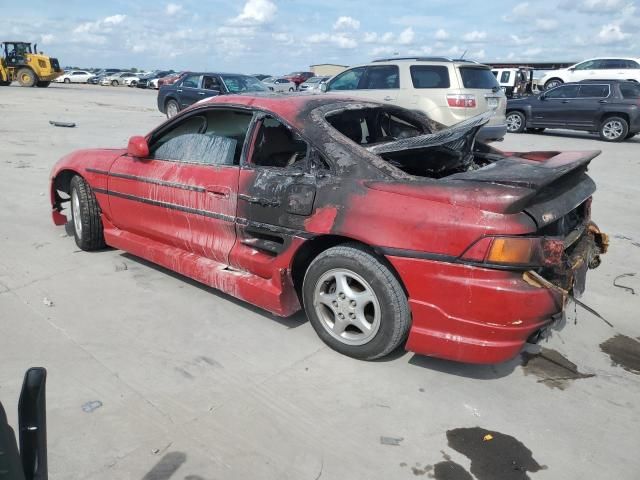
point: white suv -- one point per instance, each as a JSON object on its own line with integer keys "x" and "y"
{"x": 594, "y": 69}
{"x": 448, "y": 91}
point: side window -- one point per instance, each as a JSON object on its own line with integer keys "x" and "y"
{"x": 348, "y": 80}
{"x": 630, "y": 90}
{"x": 211, "y": 83}
{"x": 630, "y": 64}
{"x": 593, "y": 91}
{"x": 611, "y": 64}
{"x": 588, "y": 65}
{"x": 381, "y": 77}
{"x": 278, "y": 146}
{"x": 430, "y": 76}
{"x": 504, "y": 78}
{"x": 566, "y": 91}
{"x": 192, "y": 81}
{"x": 215, "y": 137}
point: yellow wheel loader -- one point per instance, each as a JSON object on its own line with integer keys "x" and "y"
{"x": 19, "y": 62}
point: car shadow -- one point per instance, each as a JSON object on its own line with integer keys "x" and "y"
{"x": 467, "y": 370}
{"x": 577, "y": 135}
{"x": 296, "y": 320}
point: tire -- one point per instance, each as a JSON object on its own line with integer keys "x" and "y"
{"x": 291, "y": 89}
{"x": 67, "y": 80}
{"x": 43, "y": 84}
{"x": 85, "y": 216}
{"x": 613, "y": 129}
{"x": 367, "y": 331}
{"x": 172, "y": 108}
{"x": 114, "y": 83}
{"x": 516, "y": 122}
{"x": 26, "y": 77}
{"x": 5, "y": 83}
{"x": 630, "y": 135}
{"x": 552, "y": 83}
{"x": 535, "y": 130}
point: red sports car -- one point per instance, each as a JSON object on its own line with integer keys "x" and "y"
{"x": 387, "y": 228}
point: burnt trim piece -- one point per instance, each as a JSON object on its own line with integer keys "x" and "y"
{"x": 153, "y": 181}
{"x": 401, "y": 252}
{"x": 266, "y": 227}
{"x": 171, "y": 206}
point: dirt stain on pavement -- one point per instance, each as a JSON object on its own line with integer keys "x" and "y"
{"x": 449, "y": 470}
{"x": 553, "y": 369}
{"x": 493, "y": 455}
{"x": 624, "y": 352}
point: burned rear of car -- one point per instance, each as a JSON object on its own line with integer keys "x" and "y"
{"x": 470, "y": 222}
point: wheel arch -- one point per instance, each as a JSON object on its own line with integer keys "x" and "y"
{"x": 309, "y": 250}
{"x": 606, "y": 115}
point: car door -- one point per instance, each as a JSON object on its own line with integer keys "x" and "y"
{"x": 584, "y": 111}
{"x": 346, "y": 81}
{"x": 184, "y": 194}
{"x": 380, "y": 83}
{"x": 553, "y": 108}
{"x": 188, "y": 90}
{"x": 584, "y": 71}
{"x": 276, "y": 195}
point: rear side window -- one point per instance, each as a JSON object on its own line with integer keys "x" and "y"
{"x": 630, "y": 91}
{"x": 473, "y": 77}
{"x": 381, "y": 78}
{"x": 593, "y": 91}
{"x": 504, "y": 78}
{"x": 191, "y": 81}
{"x": 630, "y": 64}
{"x": 430, "y": 76}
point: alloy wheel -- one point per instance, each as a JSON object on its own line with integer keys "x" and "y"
{"x": 612, "y": 129}
{"x": 77, "y": 217}
{"x": 347, "y": 306}
{"x": 514, "y": 123}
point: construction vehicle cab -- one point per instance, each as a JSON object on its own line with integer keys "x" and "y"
{"x": 20, "y": 62}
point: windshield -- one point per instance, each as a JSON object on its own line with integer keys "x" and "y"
{"x": 243, "y": 83}
{"x": 314, "y": 80}
{"x": 474, "y": 77}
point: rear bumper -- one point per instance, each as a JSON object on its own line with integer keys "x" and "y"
{"x": 492, "y": 133}
{"x": 471, "y": 314}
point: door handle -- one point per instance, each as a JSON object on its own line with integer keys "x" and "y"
{"x": 179, "y": 90}
{"x": 387, "y": 98}
{"x": 218, "y": 190}
{"x": 263, "y": 202}
{"x": 603, "y": 101}
{"x": 565, "y": 101}
{"x": 200, "y": 93}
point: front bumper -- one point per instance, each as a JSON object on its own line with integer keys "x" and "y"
{"x": 492, "y": 133}
{"x": 472, "y": 314}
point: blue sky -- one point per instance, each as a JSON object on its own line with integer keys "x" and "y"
{"x": 278, "y": 36}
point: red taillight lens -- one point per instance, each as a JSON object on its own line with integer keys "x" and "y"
{"x": 461, "y": 101}
{"x": 516, "y": 251}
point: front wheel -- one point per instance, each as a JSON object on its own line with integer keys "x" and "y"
{"x": 515, "y": 122}
{"x": 613, "y": 129}
{"x": 26, "y": 77}
{"x": 85, "y": 215}
{"x": 43, "y": 84}
{"x": 553, "y": 83}
{"x": 291, "y": 89}
{"x": 114, "y": 83}
{"x": 67, "y": 80}
{"x": 355, "y": 303}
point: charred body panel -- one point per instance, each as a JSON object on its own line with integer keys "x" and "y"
{"x": 316, "y": 171}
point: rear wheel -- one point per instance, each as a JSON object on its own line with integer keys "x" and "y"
{"x": 114, "y": 83}
{"x": 67, "y": 80}
{"x": 355, "y": 303}
{"x": 172, "y": 108}
{"x": 43, "y": 84}
{"x": 515, "y": 122}
{"x": 291, "y": 89}
{"x": 553, "y": 83}
{"x": 85, "y": 215}
{"x": 26, "y": 77}
{"x": 613, "y": 129}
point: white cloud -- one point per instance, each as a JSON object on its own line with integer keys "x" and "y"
{"x": 611, "y": 33}
{"x": 47, "y": 38}
{"x": 420, "y": 51}
{"x": 441, "y": 34}
{"x": 346, "y": 23}
{"x": 478, "y": 54}
{"x": 521, "y": 10}
{"x": 516, "y": 40}
{"x": 384, "y": 50}
{"x": 595, "y": 6}
{"x": 256, "y": 12}
{"x": 546, "y": 25}
{"x": 370, "y": 37}
{"x": 284, "y": 38}
{"x": 114, "y": 19}
{"x": 532, "y": 52}
{"x": 173, "y": 8}
{"x": 339, "y": 40}
{"x": 475, "y": 36}
{"x": 406, "y": 36}
{"x": 387, "y": 37}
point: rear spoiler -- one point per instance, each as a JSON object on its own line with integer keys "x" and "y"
{"x": 441, "y": 137}
{"x": 31, "y": 461}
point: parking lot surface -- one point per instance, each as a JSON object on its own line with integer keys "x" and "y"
{"x": 152, "y": 375}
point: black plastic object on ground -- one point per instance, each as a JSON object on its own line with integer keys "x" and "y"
{"x": 62, "y": 124}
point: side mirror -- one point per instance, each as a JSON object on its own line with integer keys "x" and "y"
{"x": 572, "y": 69}
{"x": 324, "y": 88}
{"x": 138, "y": 147}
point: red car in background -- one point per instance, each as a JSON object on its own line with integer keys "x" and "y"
{"x": 388, "y": 229}
{"x": 171, "y": 79}
{"x": 299, "y": 77}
